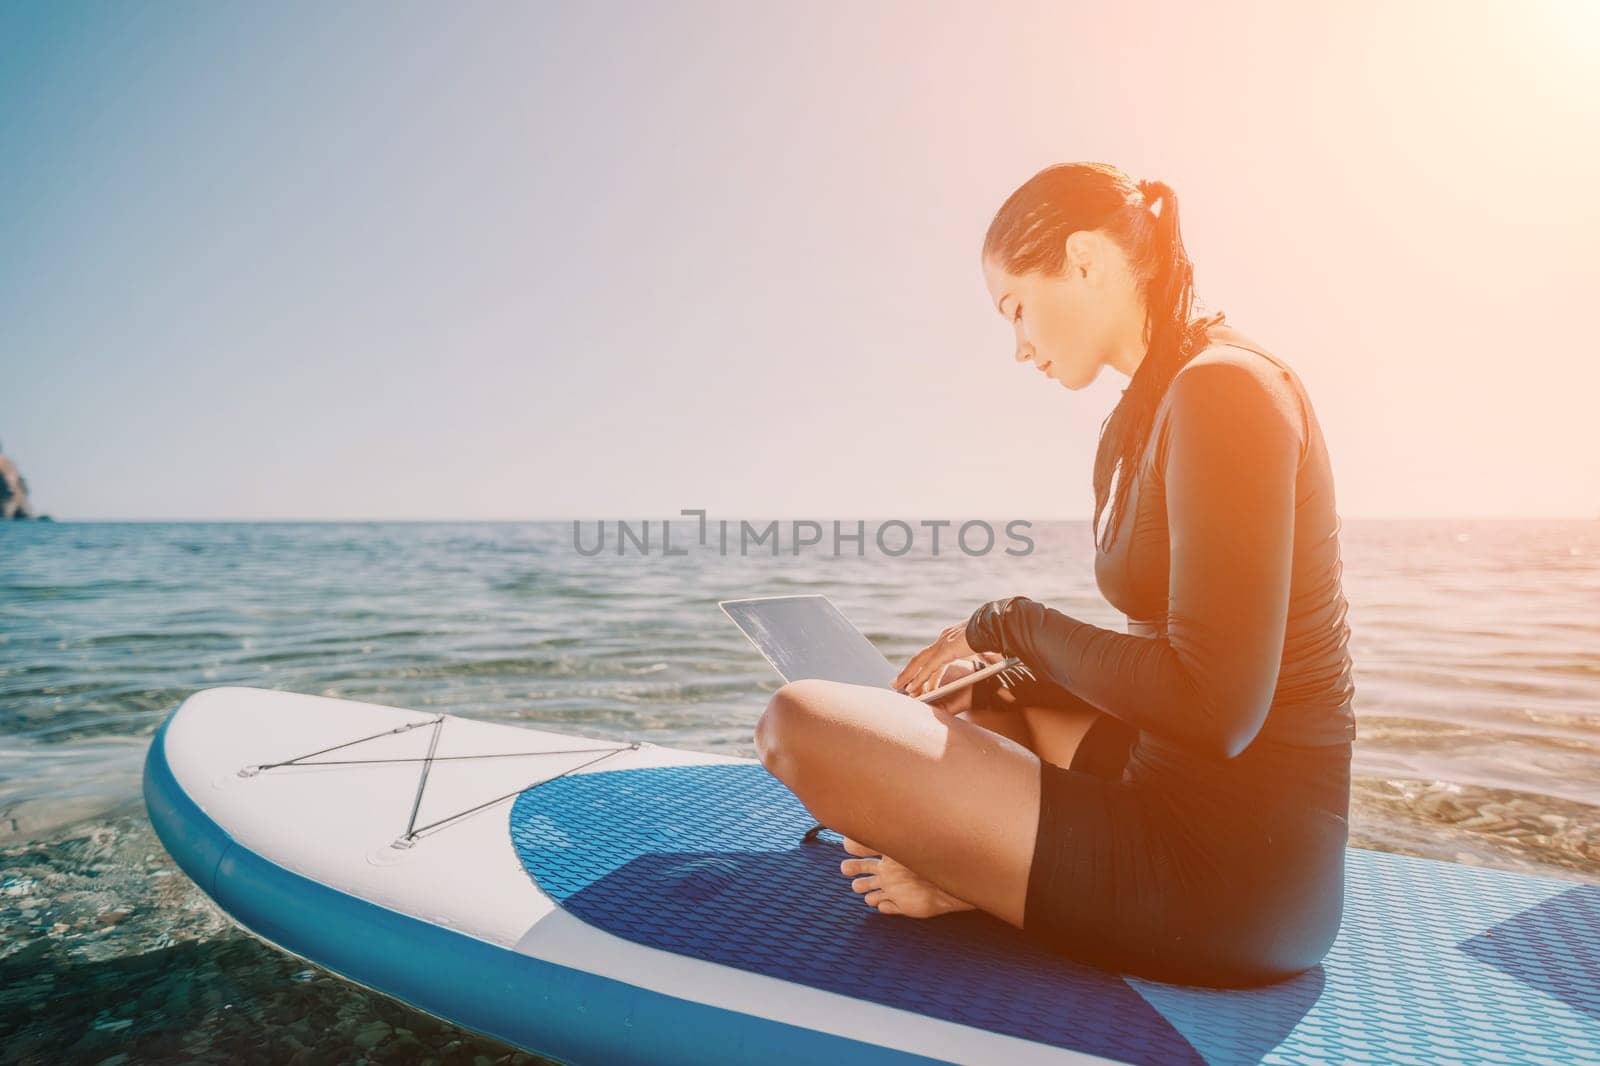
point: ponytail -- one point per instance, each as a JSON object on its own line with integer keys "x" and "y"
{"x": 1169, "y": 302}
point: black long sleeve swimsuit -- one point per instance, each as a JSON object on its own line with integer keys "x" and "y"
{"x": 1213, "y": 853}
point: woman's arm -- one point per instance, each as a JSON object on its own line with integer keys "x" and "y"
{"x": 1233, "y": 454}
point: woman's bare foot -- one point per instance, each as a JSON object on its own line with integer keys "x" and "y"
{"x": 896, "y": 889}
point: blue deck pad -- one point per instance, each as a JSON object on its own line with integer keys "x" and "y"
{"x": 1435, "y": 962}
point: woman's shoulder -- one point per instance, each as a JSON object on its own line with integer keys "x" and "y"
{"x": 1238, "y": 375}
{"x": 1219, "y": 341}
{"x": 1233, "y": 383}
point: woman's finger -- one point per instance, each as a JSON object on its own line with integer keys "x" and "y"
{"x": 921, "y": 673}
{"x": 925, "y": 674}
{"x": 915, "y": 667}
{"x": 919, "y": 681}
{"x": 956, "y": 702}
{"x": 951, "y": 669}
{"x": 904, "y": 675}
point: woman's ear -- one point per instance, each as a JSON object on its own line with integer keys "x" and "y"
{"x": 1082, "y": 257}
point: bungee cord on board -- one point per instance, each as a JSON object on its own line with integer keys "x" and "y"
{"x": 1010, "y": 671}
{"x": 422, "y": 782}
{"x": 413, "y": 831}
{"x": 410, "y": 838}
{"x": 251, "y": 771}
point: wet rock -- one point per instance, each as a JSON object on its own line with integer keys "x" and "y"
{"x": 14, "y": 502}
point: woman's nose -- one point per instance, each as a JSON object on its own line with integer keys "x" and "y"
{"x": 1024, "y": 347}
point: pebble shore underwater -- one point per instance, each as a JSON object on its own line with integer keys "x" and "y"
{"x": 1477, "y": 666}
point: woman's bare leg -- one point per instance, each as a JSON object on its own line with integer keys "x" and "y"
{"x": 1052, "y": 733}
{"x": 894, "y": 888}
{"x": 1057, "y": 731}
{"x": 951, "y": 800}
{"x": 1010, "y": 721}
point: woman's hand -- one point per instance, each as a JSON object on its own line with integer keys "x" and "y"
{"x": 922, "y": 673}
{"x": 960, "y": 702}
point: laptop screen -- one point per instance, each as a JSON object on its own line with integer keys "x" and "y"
{"x": 807, "y": 636}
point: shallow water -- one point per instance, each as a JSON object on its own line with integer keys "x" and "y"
{"x": 1476, "y": 647}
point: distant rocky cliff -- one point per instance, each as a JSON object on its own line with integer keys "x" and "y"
{"x": 14, "y": 501}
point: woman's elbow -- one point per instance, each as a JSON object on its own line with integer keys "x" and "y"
{"x": 1236, "y": 728}
{"x": 1222, "y": 724}
{"x": 1233, "y": 745}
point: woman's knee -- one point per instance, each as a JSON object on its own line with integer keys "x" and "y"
{"x": 789, "y": 727}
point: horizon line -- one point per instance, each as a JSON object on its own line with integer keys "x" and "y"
{"x": 390, "y": 520}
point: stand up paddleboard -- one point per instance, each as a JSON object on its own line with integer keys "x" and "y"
{"x": 603, "y": 902}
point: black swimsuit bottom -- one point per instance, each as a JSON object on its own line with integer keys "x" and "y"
{"x": 1227, "y": 883}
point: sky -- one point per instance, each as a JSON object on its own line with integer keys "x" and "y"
{"x": 541, "y": 260}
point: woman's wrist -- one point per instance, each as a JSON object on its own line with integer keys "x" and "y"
{"x": 983, "y": 631}
{"x": 974, "y": 632}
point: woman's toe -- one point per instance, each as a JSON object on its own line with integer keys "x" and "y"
{"x": 855, "y": 847}
{"x": 852, "y": 867}
{"x": 865, "y": 884}
{"x": 875, "y": 897}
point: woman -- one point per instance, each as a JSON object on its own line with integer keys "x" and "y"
{"x": 1171, "y": 801}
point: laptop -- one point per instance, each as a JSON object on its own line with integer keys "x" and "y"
{"x": 807, "y": 637}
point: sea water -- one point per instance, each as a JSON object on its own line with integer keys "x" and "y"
{"x": 1476, "y": 647}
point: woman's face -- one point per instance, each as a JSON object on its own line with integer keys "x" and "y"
{"x": 1064, "y": 324}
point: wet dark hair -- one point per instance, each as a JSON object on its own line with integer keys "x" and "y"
{"x": 1029, "y": 235}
